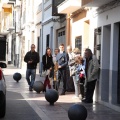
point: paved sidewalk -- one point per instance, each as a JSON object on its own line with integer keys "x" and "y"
{"x": 18, "y": 109}
{"x": 59, "y": 110}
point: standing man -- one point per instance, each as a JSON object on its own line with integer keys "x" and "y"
{"x": 92, "y": 70}
{"x": 31, "y": 58}
{"x": 56, "y": 51}
{"x": 70, "y": 84}
{"x": 62, "y": 60}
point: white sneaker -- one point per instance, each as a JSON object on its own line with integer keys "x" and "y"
{"x": 75, "y": 97}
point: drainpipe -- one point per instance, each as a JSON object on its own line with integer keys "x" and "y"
{"x": 41, "y": 40}
{"x": 68, "y": 41}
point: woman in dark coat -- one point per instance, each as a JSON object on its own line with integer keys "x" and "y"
{"x": 47, "y": 60}
{"x": 48, "y": 65}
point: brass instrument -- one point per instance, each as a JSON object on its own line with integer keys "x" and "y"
{"x": 55, "y": 71}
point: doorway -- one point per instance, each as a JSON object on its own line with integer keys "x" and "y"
{"x": 97, "y": 53}
{"x": 118, "y": 85}
{"x": 61, "y": 37}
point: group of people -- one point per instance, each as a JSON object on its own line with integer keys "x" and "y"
{"x": 77, "y": 73}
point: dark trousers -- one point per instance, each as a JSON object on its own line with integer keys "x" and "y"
{"x": 62, "y": 76}
{"x": 82, "y": 89}
{"x": 90, "y": 90}
{"x": 55, "y": 85}
{"x": 69, "y": 82}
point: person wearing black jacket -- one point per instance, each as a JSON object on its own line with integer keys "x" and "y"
{"x": 48, "y": 65}
{"x": 47, "y": 60}
{"x": 31, "y": 58}
{"x": 62, "y": 60}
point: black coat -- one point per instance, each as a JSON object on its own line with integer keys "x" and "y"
{"x": 31, "y": 56}
{"x": 47, "y": 62}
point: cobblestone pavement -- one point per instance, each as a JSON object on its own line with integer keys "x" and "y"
{"x": 42, "y": 108}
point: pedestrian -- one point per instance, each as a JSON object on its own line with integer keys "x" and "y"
{"x": 56, "y": 51}
{"x": 81, "y": 74}
{"x": 31, "y": 58}
{"x": 92, "y": 71}
{"x": 62, "y": 60}
{"x": 48, "y": 65}
{"x": 73, "y": 69}
{"x": 47, "y": 60}
{"x": 55, "y": 70}
{"x": 69, "y": 83}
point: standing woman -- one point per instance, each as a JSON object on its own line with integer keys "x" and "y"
{"x": 48, "y": 64}
{"x": 73, "y": 66}
{"x": 47, "y": 60}
{"x": 69, "y": 83}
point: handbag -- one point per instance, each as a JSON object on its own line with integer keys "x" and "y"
{"x": 72, "y": 71}
{"x": 45, "y": 72}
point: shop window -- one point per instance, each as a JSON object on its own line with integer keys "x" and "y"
{"x": 47, "y": 40}
{"x": 78, "y": 42}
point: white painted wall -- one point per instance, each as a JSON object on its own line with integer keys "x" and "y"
{"x": 100, "y": 20}
{"x": 48, "y": 13}
{"x": 17, "y": 44}
{"x": 9, "y": 37}
{"x": 96, "y": 21}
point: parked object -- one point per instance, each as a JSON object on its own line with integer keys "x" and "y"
{"x": 77, "y": 112}
{"x": 2, "y": 91}
{"x": 38, "y": 86}
{"x": 51, "y": 96}
{"x": 17, "y": 76}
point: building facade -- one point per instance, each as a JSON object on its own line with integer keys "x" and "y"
{"x": 81, "y": 23}
{"x": 95, "y": 25}
{"x": 8, "y": 29}
{"x": 53, "y": 27}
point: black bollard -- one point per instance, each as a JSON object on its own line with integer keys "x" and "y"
{"x": 51, "y": 96}
{"x": 38, "y": 86}
{"x": 77, "y": 112}
{"x": 17, "y": 76}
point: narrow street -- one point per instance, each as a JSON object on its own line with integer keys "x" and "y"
{"x": 25, "y": 105}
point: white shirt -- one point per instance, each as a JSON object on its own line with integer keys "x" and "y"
{"x": 71, "y": 56}
{"x": 54, "y": 58}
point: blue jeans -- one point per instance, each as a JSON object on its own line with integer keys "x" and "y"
{"x": 76, "y": 85}
{"x": 32, "y": 73}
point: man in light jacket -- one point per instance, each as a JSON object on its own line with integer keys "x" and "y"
{"x": 92, "y": 70}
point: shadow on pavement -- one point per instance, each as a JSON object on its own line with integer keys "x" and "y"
{"x": 18, "y": 109}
